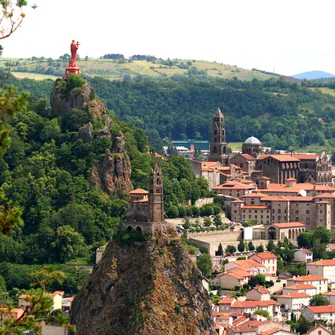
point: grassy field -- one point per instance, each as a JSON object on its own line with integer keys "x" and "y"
{"x": 36, "y": 76}
{"x": 112, "y": 69}
{"x": 235, "y": 146}
{"x": 324, "y": 90}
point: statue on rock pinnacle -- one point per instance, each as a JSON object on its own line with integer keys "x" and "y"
{"x": 72, "y": 67}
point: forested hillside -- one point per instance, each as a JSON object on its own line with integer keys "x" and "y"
{"x": 47, "y": 173}
{"x": 279, "y": 113}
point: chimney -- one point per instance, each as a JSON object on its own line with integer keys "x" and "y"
{"x": 290, "y": 182}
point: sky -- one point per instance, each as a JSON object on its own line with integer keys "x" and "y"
{"x": 286, "y": 36}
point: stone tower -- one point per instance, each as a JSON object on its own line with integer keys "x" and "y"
{"x": 218, "y": 146}
{"x": 156, "y": 206}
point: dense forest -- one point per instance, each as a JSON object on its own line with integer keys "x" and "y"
{"x": 281, "y": 114}
{"x": 45, "y": 173}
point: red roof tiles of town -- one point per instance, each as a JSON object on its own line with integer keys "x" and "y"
{"x": 323, "y": 262}
{"x": 294, "y": 295}
{"x": 332, "y": 293}
{"x": 261, "y": 289}
{"x": 238, "y": 274}
{"x": 306, "y": 251}
{"x": 249, "y": 157}
{"x": 233, "y": 185}
{"x": 271, "y": 331}
{"x": 226, "y": 300}
{"x": 288, "y": 224}
{"x": 322, "y": 309}
{"x": 265, "y": 255}
{"x": 286, "y": 198}
{"x": 254, "y": 195}
{"x": 325, "y": 196}
{"x": 280, "y": 158}
{"x": 308, "y": 278}
{"x": 324, "y": 202}
{"x": 306, "y": 156}
{"x": 248, "y": 263}
{"x": 300, "y": 287}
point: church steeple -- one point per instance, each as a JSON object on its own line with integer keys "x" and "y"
{"x": 218, "y": 146}
{"x": 156, "y": 205}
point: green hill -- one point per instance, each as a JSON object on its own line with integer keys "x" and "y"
{"x": 41, "y": 68}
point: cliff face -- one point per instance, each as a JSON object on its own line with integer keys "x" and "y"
{"x": 147, "y": 288}
{"x": 112, "y": 172}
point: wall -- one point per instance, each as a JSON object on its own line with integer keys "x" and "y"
{"x": 203, "y": 201}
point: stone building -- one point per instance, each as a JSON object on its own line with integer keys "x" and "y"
{"x": 290, "y": 230}
{"x": 146, "y": 209}
{"x": 218, "y": 146}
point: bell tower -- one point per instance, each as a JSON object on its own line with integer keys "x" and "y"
{"x": 156, "y": 205}
{"x": 218, "y": 146}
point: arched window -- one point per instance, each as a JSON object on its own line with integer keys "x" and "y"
{"x": 215, "y": 150}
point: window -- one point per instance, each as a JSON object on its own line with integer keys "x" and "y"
{"x": 297, "y": 211}
{"x": 307, "y": 211}
{"x": 279, "y": 210}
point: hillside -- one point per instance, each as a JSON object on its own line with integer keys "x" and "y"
{"x": 40, "y": 68}
{"x": 310, "y": 75}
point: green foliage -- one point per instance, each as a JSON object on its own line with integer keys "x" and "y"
{"x": 260, "y": 248}
{"x": 230, "y": 249}
{"x": 251, "y": 246}
{"x": 319, "y": 300}
{"x": 303, "y": 326}
{"x": 241, "y": 246}
{"x": 204, "y": 264}
{"x": 270, "y": 246}
{"x": 220, "y": 250}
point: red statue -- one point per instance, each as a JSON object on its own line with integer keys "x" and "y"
{"x": 72, "y": 67}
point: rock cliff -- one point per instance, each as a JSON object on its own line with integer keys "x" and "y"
{"x": 112, "y": 172}
{"x": 147, "y": 288}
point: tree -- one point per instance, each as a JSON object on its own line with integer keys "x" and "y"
{"x": 251, "y": 246}
{"x": 319, "y": 249}
{"x": 319, "y": 300}
{"x": 230, "y": 249}
{"x": 270, "y": 246}
{"x": 186, "y": 224}
{"x": 207, "y": 221}
{"x": 303, "y": 326}
{"x": 305, "y": 239}
{"x": 323, "y": 234}
{"x": 68, "y": 244}
{"x": 261, "y": 280}
{"x": 260, "y": 248}
{"x": 220, "y": 250}
{"x": 241, "y": 246}
{"x": 204, "y": 264}
{"x": 217, "y": 220}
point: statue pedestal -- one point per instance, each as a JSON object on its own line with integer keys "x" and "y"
{"x": 72, "y": 69}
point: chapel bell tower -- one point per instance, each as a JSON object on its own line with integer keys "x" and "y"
{"x": 156, "y": 205}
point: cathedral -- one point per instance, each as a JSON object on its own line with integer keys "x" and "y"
{"x": 253, "y": 164}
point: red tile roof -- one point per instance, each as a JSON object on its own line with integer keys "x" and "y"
{"x": 286, "y": 198}
{"x": 322, "y": 309}
{"x": 261, "y": 289}
{"x": 299, "y": 287}
{"x": 233, "y": 185}
{"x": 280, "y": 158}
{"x": 294, "y": 295}
{"x": 139, "y": 191}
{"x": 249, "y": 157}
{"x": 332, "y": 293}
{"x": 324, "y": 262}
{"x": 265, "y": 255}
{"x": 226, "y": 300}
{"x": 254, "y": 303}
{"x": 325, "y": 196}
{"x": 306, "y": 251}
{"x": 288, "y": 224}
{"x": 248, "y": 263}
{"x": 254, "y": 195}
{"x": 307, "y": 278}
{"x": 323, "y": 202}
{"x": 319, "y": 325}
{"x": 270, "y": 331}
{"x": 306, "y": 156}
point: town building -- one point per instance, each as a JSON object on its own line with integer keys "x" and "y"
{"x": 294, "y": 301}
{"x": 232, "y": 279}
{"x": 303, "y": 255}
{"x": 319, "y": 329}
{"x": 320, "y": 283}
{"x": 288, "y": 230}
{"x": 258, "y": 293}
{"x": 330, "y": 296}
{"x": 324, "y": 313}
{"x": 305, "y": 288}
{"x": 25, "y": 300}
{"x": 323, "y": 268}
{"x": 268, "y": 259}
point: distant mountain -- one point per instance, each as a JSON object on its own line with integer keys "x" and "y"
{"x": 313, "y": 75}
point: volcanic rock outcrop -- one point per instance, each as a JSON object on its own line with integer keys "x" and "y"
{"x": 148, "y": 288}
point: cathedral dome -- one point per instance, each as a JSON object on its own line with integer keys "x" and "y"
{"x": 252, "y": 140}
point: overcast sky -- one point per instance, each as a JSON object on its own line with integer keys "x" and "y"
{"x": 287, "y": 36}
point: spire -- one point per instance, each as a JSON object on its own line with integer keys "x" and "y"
{"x": 218, "y": 113}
